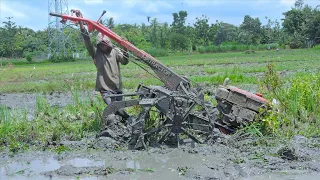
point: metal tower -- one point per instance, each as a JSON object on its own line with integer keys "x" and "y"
{"x": 57, "y": 37}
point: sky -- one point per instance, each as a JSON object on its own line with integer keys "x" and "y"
{"x": 34, "y": 14}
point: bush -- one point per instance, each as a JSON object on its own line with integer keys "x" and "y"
{"x": 29, "y": 57}
{"x": 157, "y": 52}
{"x": 317, "y": 47}
{"x": 194, "y": 48}
{"x": 57, "y": 59}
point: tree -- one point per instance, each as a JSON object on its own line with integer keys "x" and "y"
{"x": 202, "y": 30}
{"x": 163, "y": 35}
{"x": 299, "y": 4}
{"x": 251, "y": 28}
{"x": 178, "y": 38}
{"x": 179, "y": 19}
{"x": 153, "y": 34}
{"x": 10, "y": 30}
{"x": 271, "y": 32}
{"x": 109, "y": 23}
{"x": 133, "y": 34}
{"x": 299, "y": 24}
{"x": 293, "y": 21}
{"x": 313, "y": 25}
{"x": 225, "y": 32}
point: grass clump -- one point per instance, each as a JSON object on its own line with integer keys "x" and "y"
{"x": 50, "y": 124}
{"x": 61, "y": 58}
{"x": 296, "y": 111}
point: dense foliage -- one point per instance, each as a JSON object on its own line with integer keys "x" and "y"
{"x": 300, "y": 28}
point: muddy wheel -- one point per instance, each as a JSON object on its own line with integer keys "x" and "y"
{"x": 147, "y": 128}
{"x": 154, "y": 128}
{"x": 217, "y": 119}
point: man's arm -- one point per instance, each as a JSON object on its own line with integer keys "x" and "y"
{"x": 87, "y": 41}
{"x": 122, "y": 57}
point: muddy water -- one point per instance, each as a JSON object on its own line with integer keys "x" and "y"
{"x": 284, "y": 176}
{"x": 201, "y": 162}
{"x": 140, "y": 166}
{"x": 28, "y": 169}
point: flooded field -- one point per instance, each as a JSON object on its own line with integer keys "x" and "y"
{"x": 227, "y": 159}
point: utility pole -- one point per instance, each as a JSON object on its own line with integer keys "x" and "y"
{"x": 57, "y": 37}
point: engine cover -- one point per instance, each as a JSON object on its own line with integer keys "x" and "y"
{"x": 236, "y": 106}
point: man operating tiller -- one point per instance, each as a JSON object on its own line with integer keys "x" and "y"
{"x": 107, "y": 59}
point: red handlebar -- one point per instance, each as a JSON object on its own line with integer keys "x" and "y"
{"x": 170, "y": 78}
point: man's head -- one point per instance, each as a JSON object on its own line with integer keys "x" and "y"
{"x": 104, "y": 43}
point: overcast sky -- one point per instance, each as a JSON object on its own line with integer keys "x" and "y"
{"x": 34, "y": 13}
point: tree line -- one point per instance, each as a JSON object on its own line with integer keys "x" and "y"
{"x": 299, "y": 28}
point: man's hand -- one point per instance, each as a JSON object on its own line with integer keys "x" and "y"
{"x": 124, "y": 48}
{"x": 79, "y": 14}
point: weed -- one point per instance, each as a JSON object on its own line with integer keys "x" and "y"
{"x": 183, "y": 170}
{"x": 152, "y": 170}
{"x": 17, "y": 146}
{"x": 60, "y": 149}
{"x": 238, "y": 160}
{"x": 110, "y": 170}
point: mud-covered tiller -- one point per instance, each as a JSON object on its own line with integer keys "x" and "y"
{"x": 176, "y": 110}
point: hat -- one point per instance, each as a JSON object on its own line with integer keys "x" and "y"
{"x": 101, "y": 38}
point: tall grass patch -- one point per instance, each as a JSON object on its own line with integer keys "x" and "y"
{"x": 235, "y": 48}
{"x": 50, "y": 123}
{"x": 297, "y": 110}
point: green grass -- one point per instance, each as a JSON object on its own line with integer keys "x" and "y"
{"x": 241, "y": 67}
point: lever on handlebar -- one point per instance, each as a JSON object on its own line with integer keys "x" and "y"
{"x": 55, "y": 14}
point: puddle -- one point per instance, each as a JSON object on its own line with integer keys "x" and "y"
{"x": 28, "y": 170}
{"x": 83, "y": 162}
{"x": 34, "y": 168}
{"x": 161, "y": 166}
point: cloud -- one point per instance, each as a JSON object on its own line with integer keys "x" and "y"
{"x": 114, "y": 15}
{"x": 288, "y": 3}
{"x": 25, "y": 14}
{"x": 93, "y": 2}
{"x": 146, "y": 6}
{"x": 201, "y": 3}
{"x": 7, "y": 11}
{"x": 155, "y": 6}
{"x": 129, "y": 3}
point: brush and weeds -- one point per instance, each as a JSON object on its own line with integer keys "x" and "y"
{"x": 50, "y": 124}
{"x": 295, "y": 107}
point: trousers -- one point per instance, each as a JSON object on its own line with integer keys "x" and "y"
{"x": 108, "y": 100}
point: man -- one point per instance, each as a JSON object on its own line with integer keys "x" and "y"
{"x": 107, "y": 59}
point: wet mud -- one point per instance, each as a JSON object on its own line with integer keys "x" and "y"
{"x": 229, "y": 158}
